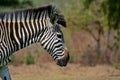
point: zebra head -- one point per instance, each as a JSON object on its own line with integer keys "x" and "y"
{"x": 61, "y": 54}
{"x": 53, "y": 42}
{"x": 52, "y": 38}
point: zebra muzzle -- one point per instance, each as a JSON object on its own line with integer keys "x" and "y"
{"x": 63, "y": 61}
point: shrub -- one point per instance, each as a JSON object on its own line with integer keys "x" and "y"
{"x": 71, "y": 59}
{"x": 116, "y": 66}
{"x": 29, "y": 59}
{"x": 13, "y": 58}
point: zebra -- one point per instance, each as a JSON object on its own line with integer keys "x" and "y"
{"x": 21, "y": 28}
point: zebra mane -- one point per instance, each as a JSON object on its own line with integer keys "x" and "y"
{"x": 49, "y": 8}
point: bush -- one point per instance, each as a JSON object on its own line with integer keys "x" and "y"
{"x": 13, "y": 58}
{"x": 71, "y": 59}
{"x": 116, "y": 66}
{"x": 29, "y": 59}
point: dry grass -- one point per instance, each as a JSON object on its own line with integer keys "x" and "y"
{"x": 50, "y": 71}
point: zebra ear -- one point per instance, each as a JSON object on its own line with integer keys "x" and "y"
{"x": 61, "y": 20}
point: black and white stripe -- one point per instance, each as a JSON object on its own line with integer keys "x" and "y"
{"x": 21, "y": 28}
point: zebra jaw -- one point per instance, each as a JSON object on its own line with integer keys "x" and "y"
{"x": 64, "y": 60}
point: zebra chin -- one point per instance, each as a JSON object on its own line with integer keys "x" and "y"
{"x": 63, "y": 61}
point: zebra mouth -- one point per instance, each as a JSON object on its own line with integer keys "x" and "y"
{"x": 63, "y": 62}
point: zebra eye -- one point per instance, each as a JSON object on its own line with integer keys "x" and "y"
{"x": 59, "y": 36}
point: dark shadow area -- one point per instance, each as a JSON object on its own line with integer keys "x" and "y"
{"x": 15, "y": 3}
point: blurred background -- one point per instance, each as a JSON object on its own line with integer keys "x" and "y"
{"x": 92, "y": 37}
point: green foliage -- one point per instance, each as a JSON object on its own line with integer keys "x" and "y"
{"x": 111, "y": 14}
{"x": 29, "y": 59}
{"x": 87, "y": 3}
{"x": 116, "y": 66}
{"x": 71, "y": 59}
{"x": 15, "y": 3}
{"x": 9, "y": 2}
{"x": 13, "y": 58}
{"x": 111, "y": 9}
{"x": 25, "y": 3}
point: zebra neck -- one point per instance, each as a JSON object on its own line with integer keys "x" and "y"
{"x": 24, "y": 42}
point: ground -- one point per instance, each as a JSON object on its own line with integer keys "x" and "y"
{"x": 50, "y": 71}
